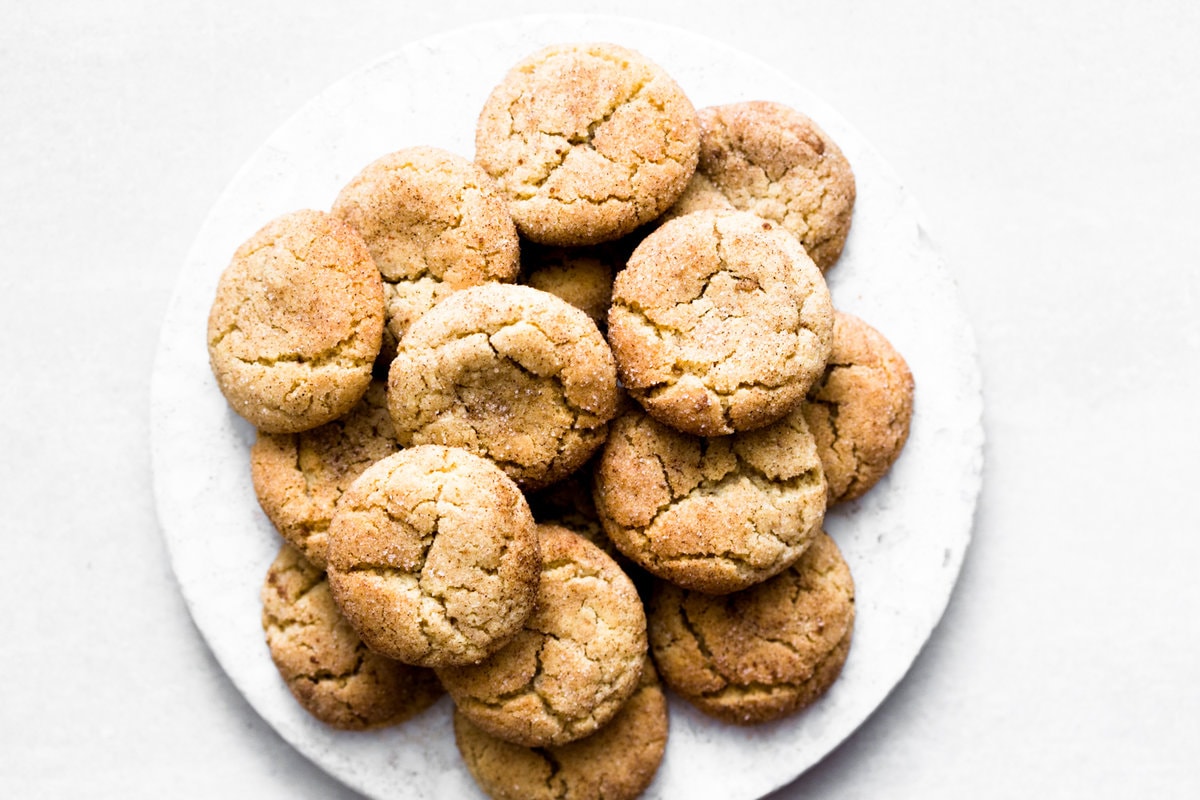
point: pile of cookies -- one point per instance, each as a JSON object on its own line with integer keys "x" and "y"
{"x": 503, "y": 402}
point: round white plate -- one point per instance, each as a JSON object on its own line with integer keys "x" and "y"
{"x": 904, "y": 541}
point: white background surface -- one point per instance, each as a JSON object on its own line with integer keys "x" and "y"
{"x": 1053, "y": 148}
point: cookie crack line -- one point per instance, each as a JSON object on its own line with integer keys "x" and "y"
{"x": 282, "y": 625}
{"x": 555, "y": 767}
{"x": 711, "y": 488}
{"x": 584, "y": 422}
{"x": 529, "y": 689}
{"x": 560, "y": 450}
{"x": 339, "y": 678}
{"x": 634, "y": 307}
{"x": 751, "y": 688}
{"x": 310, "y": 364}
{"x": 572, "y": 141}
{"x": 512, "y": 320}
{"x": 593, "y": 126}
{"x": 565, "y": 721}
{"x": 426, "y": 592}
{"x": 641, "y": 85}
{"x": 701, "y": 642}
{"x": 331, "y": 355}
{"x": 832, "y": 408}
{"x": 793, "y": 648}
{"x": 304, "y": 474}
{"x": 555, "y": 377}
{"x": 663, "y": 507}
{"x": 806, "y": 478}
{"x": 856, "y": 475}
{"x": 677, "y": 370}
{"x": 742, "y": 564}
{"x": 378, "y": 570}
{"x": 732, "y": 687}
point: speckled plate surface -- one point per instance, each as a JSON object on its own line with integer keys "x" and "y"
{"x": 904, "y": 541}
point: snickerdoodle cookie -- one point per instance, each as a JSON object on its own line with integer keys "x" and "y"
{"x": 576, "y": 662}
{"x": 329, "y": 670}
{"x": 510, "y": 373}
{"x": 714, "y": 515}
{"x": 296, "y": 323}
{"x": 434, "y": 223}
{"x": 861, "y": 408}
{"x": 299, "y": 477}
{"x": 617, "y": 762}
{"x": 719, "y": 323}
{"x": 775, "y": 162}
{"x": 763, "y": 653}
{"x": 587, "y": 142}
{"x": 433, "y": 557}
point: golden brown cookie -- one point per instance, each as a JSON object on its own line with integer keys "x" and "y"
{"x": 329, "y": 670}
{"x": 510, "y": 373}
{"x": 433, "y": 557}
{"x": 296, "y": 323}
{"x": 861, "y": 408}
{"x": 615, "y": 763}
{"x": 582, "y": 276}
{"x": 719, "y": 323}
{"x": 587, "y": 141}
{"x": 576, "y": 662}
{"x": 434, "y": 223}
{"x": 298, "y": 477}
{"x": 714, "y": 515}
{"x": 763, "y": 653}
{"x": 775, "y": 162}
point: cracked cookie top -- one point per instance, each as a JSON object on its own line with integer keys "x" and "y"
{"x": 510, "y": 373}
{"x": 323, "y": 661}
{"x": 296, "y": 323}
{"x": 714, "y": 515}
{"x": 587, "y": 142}
{"x": 575, "y": 663}
{"x": 719, "y": 323}
{"x": 763, "y": 653}
{"x": 617, "y": 762}
{"x": 433, "y": 557}
{"x": 861, "y": 408}
{"x": 434, "y": 223}
{"x": 298, "y": 477}
{"x": 775, "y": 162}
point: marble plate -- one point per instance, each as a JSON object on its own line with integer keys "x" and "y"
{"x": 904, "y": 541}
